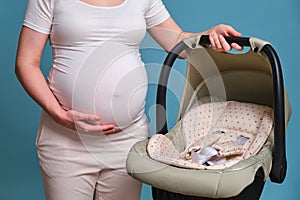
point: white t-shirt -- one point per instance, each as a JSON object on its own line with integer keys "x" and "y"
{"x": 96, "y": 61}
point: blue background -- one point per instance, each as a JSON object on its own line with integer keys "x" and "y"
{"x": 276, "y": 21}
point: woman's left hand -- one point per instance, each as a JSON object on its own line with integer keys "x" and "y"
{"x": 217, "y": 40}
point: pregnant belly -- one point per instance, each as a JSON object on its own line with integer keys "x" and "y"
{"x": 113, "y": 87}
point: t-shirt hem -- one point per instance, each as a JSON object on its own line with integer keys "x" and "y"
{"x": 35, "y": 27}
{"x": 157, "y": 22}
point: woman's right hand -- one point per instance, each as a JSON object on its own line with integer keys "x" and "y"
{"x": 84, "y": 123}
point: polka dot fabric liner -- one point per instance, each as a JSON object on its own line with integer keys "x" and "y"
{"x": 220, "y": 125}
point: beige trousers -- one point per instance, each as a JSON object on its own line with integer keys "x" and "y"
{"x": 87, "y": 166}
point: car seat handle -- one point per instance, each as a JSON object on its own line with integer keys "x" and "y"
{"x": 161, "y": 120}
{"x": 242, "y": 41}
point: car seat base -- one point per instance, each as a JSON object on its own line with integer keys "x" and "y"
{"x": 251, "y": 192}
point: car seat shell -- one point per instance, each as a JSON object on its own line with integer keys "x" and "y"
{"x": 240, "y": 77}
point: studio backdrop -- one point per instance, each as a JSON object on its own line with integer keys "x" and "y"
{"x": 276, "y": 21}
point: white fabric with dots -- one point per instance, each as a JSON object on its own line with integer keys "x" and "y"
{"x": 236, "y": 130}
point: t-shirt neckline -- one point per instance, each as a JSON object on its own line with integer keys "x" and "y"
{"x": 102, "y": 7}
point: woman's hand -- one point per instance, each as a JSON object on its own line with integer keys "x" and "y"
{"x": 84, "y": 123}
{"x": 217, "y": 40}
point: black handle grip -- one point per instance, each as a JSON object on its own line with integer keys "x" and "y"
{"x": 279, "y": 162}
{"x": 242, "y": 41}
{"x": 161, "y": 118}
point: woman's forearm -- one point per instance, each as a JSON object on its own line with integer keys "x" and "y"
{"x": 27, "y": 69}
{"x": 168, "y": 34}
{"x": 36, "y": 86}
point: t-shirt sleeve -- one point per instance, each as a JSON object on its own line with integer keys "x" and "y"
{"x": 156, "y": 13}
{"x": 38, "y": 15}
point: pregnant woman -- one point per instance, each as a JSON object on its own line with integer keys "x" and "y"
{"x": 94, "y": 96}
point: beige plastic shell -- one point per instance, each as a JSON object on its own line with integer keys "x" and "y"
{"x": 242, "y": 77}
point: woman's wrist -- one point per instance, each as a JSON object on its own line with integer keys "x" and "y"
{"x": 184, "y": 35}
{"x": 57, "y": 113}
{"x": 63, "y": 118}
